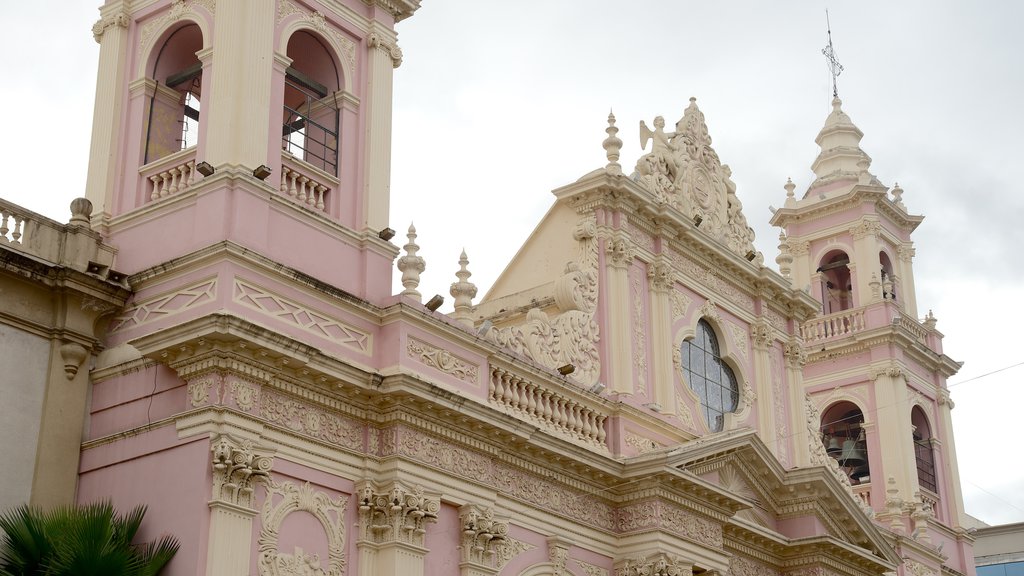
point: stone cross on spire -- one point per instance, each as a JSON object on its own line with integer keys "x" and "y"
{"x": 830, "y": 55}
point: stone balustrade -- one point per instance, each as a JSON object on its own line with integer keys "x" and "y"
{"x": 863, "y": 491}
{"x": 28, "y": 232}
{"x": 305, "y": 184}
{"x": 548, "y": 409}
{"x": 838, "y": 324}
{"x": 171, "y": 175}
{"x": 915, "y": 328}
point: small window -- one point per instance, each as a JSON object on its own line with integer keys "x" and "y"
{"x": 711, "y": 378}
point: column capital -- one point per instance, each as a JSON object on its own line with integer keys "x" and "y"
{"x": 237, "y": 468}
{"x": 395, "y": 514}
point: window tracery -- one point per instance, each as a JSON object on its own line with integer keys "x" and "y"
{"x": 709, "y": 376}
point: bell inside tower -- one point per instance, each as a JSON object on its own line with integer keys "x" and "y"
{"x": 836, "y": 287}
{"x": 174, "y": 109}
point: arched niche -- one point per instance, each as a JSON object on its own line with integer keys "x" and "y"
{"x": 924, "y": 452}
{"x": 836, "y": 282}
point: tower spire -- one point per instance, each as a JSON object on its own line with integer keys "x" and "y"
{"x": 830, "y": 55}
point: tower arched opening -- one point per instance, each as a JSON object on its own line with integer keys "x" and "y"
{"x": 311, "y": 115}
{"x": 836, "y": 286}
{"x": 842, "y": 433}
{"x": 173, "y": 113}
{"x": 924, "y": 455}
{"x": 887, "y": 277}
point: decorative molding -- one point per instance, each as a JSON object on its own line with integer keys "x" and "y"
{"x": 684, "y": 171}
{"x": 639, "y": 236}
{"x": 201, "y": 388}
{"x": 652, "y": 514}
{"x": 482, "y": 534}
{"x": 642, "y": 445}
{"x": 245, "y": 394}
{"x": 591, "y": 570}
{"x": 620, "y": 251}
{"x": 865, "y": 228}
{"x": 799, "y": 247}
{"x": 660, "y": 275}
{"x": 796, "y": 356}
{"x": 739, "y": 338}
{"x": 709, "y": 310}
{"x": 639, "y": 338}
{"x": 278, "y": 307}
{"x": 570, "y": 337}
{"x": 395, "y": 514}
{"x": 236, "y": 470}
{"x": 906, "y": 252}
{"x": 558, "y": 555}
{"x": 120, "y": 20}
{"x": 741, "y": 566}
{"x": 72, "y": 354}
{"x": 761, "y": 333}
{"x": 305, "y": 419}
{"x": 167, "y": 305}
{"x": 318, "y": 22}
{"x": 442, "y": 360}
{"x": 660, "y": 565}
{"x": 389, "y": 48}
{"x": 680, "y": 304}
{"x": 712, "y": 279}
{"x": 282, "y": 500}
{"x": 177, "y": 11}
{"x": 508, "y": 549}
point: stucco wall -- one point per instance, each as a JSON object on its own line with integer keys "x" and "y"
{"x": 24, "y": 358}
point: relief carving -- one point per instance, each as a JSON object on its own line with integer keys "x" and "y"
{"x": 442, "y": 360}
{"x": 237, "y": 468}
{"x": 166, "y": 305}
{"x": 396, "y": 514}
{"x": 660, "y": 565}
{"x": 482, "y": 534}
{"x": 639, "y": 339}
{"x": 282, "y": 500}
{"x": 508, "y": 549}
{"x": 684, "y": 171}
{"x": 305, "y": 419}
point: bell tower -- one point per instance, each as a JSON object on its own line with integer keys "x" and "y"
{"x": 875, "y": 377}
{"x": 258, "y": 125}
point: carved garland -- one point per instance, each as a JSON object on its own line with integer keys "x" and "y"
{"x": 442, "y": 360}
{"x": 292, "y": 498}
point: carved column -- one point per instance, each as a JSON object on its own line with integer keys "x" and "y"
{"x": 762, "y": 335}
{"x": 392, "y": 525}
{"x": 482, "y": 534}
{"x": 237, "y": 469}
{"x": 384, "y": 57}
{"x": 952, "y": 499}
{"x": 795, "y": 356}
{"x": 619, "y": 254}
{"x": 661, "y": 281}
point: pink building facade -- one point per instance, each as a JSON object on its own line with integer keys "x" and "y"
{"x": 637, "y": 394}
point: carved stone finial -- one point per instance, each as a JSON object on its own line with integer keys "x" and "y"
{"x": 863, "y": 176}
{"x": 411, "y": 266}
{"x": 930, "y": 320}
{"x": 790, "y": 195}
{"x": 897, "y": 196}
{"x": 463, "y": 291}
{"x": 81, "y": 209}
{"x": 785, "y": 257}
{"x": 612, "y": 145}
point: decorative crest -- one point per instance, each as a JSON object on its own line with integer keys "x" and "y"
{"x": 830, "y": 55}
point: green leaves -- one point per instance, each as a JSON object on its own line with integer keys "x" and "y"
{"x": 79, "y": 540}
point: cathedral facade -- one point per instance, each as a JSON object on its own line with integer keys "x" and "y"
{"x": 637, "y": 394}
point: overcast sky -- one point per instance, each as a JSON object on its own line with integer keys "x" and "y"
{"x": 497, "y": 103}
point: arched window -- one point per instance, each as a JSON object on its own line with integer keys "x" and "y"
{"x": 836, "y": 290}
{"x": 842, "y": 433}
{"x": 923, "y": 453}
{"x": 311, "y": 116}
{"x": 173, "y": 110}
{"x": 711, "y": 378}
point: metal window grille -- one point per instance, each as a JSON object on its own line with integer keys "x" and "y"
{"x": 310, "y": 129}
{"x": 925, "y": 464}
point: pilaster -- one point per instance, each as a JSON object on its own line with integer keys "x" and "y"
{"x": 236, "y": 128}
{"x": 384, "y": 57}
{"x": 661, "y": 281}
{"x": 619, "y": 253}
{"x": 952, "y": 498}
{"x": 894, "y": 428}
{"x": 762, "y": 336}
{"x": 237, "y": 469}
{"x": 111, "y": 32}
{"x": 392, "y": 524}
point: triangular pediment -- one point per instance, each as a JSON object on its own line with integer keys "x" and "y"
{"x": 789, "y": 507}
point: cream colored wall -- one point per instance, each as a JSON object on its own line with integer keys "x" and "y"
{"x": 542, "y": 257}
{"x": 24, "y": 358}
